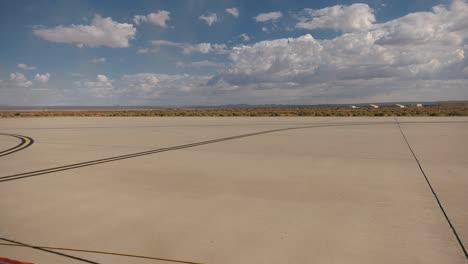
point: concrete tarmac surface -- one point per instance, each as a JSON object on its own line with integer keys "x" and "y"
{"x": 250, "y": 191}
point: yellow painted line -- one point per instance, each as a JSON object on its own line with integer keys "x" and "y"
{"x": 104, "y": 253}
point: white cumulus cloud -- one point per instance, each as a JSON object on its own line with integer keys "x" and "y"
{"x": 271, "y": 16}
{"x": 19, "y": 80}
{"x": 102, "y": 87}
{"x": 418, "y": 51}
{"x": 142, "y": 84}
{"x": 419, "y": 56}
{"x": 199, "y": 64}
{"x": 159, "y": 18}
{"x": 209, "y": 19}
{"x": 101, "y": 32}
{"x": 233, "y": 11}
{"x": 42, "y": 78}
{"x": 187, "y": 48}
{"x": 26, "y": 67}
{"x": 340, "y": 17}
{"x": 149, "y": 86}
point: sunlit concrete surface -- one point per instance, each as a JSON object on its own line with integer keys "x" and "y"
{"x": 345, "y": 191}
{"x": 443, "y": 153}
{"x": 7, "y": 142}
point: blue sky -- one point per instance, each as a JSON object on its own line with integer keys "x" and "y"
{"x": 231, "y": 52}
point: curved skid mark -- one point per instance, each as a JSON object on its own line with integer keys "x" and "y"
{"x": 25, "y": 142}
{"x": 143, "y": 153}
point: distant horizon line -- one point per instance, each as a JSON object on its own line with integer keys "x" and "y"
{"x": 19, "y": 107}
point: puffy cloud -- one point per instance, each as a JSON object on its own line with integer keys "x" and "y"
{"x": 159, "y": 18}
{"x": 199, "y": 64}
{"x": 272, "y": 61}
{"x": 205, "y": 48}
{"x": 102, "y": 79}
{"x": 271, "y": 16}
{"x": 342, "y": 18}
{"x": 193, "y": 48}
{"x": 446, "y": 26}
{"x": 161, "y": 42}
{"x": 352, "y": 56}
{"x": 17, "y": 89}
{"x": 101, "y": 32}
{"x": 419, "y": 46}
{"x": 42, "y": 78}
{"x": 209, "y": 19}
{"x": 420, "y": 56}
{"x": 101, "y": 87}
{"x": 149, "y": 86}
{"x": 244, "y": 37}
{"x": 19, "y": 80}
{"x": 142, "y": 84}
{"x": 26, "y": 67}
{"x": 99, "y": 60}
{"x": 233, "y": 11}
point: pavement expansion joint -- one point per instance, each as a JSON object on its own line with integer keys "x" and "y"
{"x": 460, "y": 242}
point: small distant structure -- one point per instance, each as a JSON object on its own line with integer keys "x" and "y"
{"x": 374, "y": 106}
{"x": 419, "y": 105}
{"x": 354, "y": 107}
{"x": 400, "y": 105}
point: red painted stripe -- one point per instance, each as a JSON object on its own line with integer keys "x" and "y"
{"x": 12, "y": 261}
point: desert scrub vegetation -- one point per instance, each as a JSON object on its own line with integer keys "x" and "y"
{"x": 444, "y": 110}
